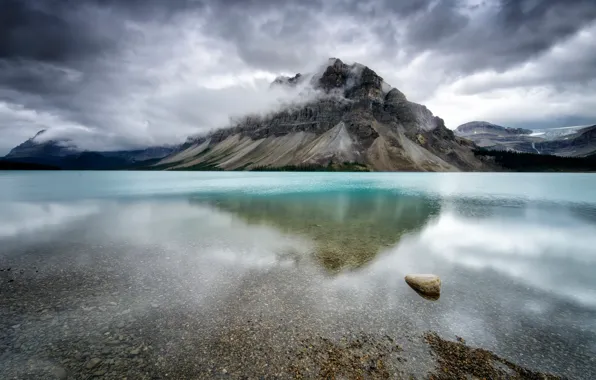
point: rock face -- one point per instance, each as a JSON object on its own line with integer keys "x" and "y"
{"x": 287, "y": 81}
{"x": 427, "y": 285}
{"x": 566, "y": 141}
{"x": 350, "y": 115}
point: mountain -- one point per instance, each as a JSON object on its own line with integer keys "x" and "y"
{"x": 482, "y": 127}
{"x": 579, "y": 143}
{"x": 576, "y": 141}
{"x": 65, "y": 155}
{"x": 344, "y": 116}
{"x": 36, "y": 146}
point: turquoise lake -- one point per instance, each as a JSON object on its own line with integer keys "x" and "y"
{"x": 168, "y": 257}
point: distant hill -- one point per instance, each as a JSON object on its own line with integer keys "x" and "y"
{"x": 577, "y": 141}
{"x": 64, "y": 154}
{"x": 484, "y": 127}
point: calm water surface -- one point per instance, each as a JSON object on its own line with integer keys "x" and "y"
{"x": 96, "y": 255}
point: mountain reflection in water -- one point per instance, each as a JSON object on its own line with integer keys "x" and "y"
{"x": 347, "y": 229}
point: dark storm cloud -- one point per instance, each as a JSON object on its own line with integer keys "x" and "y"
{"x": 523, "y": 29}
{"x": 143, "y": 71}
{"x": 436, "y": 25}
{"x": 60, "y": 31}
{"x": 283, "y": 34}
{"x": 279, "y": 34}
{"x": 48, "y": 31}
{"x": 507, "y": 32}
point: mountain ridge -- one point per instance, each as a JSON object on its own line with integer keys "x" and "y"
{"x": 578, "y": 141}
{"x": 32, "y": 147}
{"x": 474, "y": 127}
{"x": 64, "y": 154}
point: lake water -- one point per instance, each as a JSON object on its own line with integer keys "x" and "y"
{"x": 198, "y": 274}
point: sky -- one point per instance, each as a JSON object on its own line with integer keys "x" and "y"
{"x": 120, "y": 74}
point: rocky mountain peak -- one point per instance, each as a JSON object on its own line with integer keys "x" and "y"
{"x": 39, "y": 133}
{"x": 355, "y": 81}
{"x": 36, "y": 147}
{"x": 287, "y": 81}
{"x": 335, "y": 76}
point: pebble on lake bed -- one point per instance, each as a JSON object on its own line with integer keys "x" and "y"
{"x": 93, "y": 363}
{"x": 427, "y": 285}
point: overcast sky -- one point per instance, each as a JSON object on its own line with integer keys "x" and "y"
{"x": 115, "y": 74}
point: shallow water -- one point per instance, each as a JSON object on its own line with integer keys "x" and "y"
{"x": 164, "y": 259}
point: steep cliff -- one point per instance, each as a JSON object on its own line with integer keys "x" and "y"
{"x": 350, "y": 115}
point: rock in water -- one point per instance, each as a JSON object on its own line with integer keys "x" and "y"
{"x": 93, "y": 363}
{"x": 427, "y": 285}
{"x": 59, "y": 373}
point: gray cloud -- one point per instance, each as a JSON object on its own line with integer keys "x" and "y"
{"x": 117, "y": 74}
{"x": 515, "y": 31}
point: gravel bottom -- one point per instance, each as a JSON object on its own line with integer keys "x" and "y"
{"x": 84, "y": 325}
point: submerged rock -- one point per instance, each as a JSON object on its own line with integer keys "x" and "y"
{"x": 93, "y": 363}
{"x": 427, "y": 285}
{"x": 59, "y": 373}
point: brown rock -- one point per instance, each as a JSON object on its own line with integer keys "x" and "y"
{"x": 427, "y": 285}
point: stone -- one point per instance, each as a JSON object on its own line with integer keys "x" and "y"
{"x": 427, "y": 285}
{"x": 134, "y": 352}
{"x": 93, "y": 363}
{"x": 59, "y": 373}
{"x": 99, "y": 373}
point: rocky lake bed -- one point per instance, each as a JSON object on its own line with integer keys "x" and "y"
{"x": 105, "y": 324}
